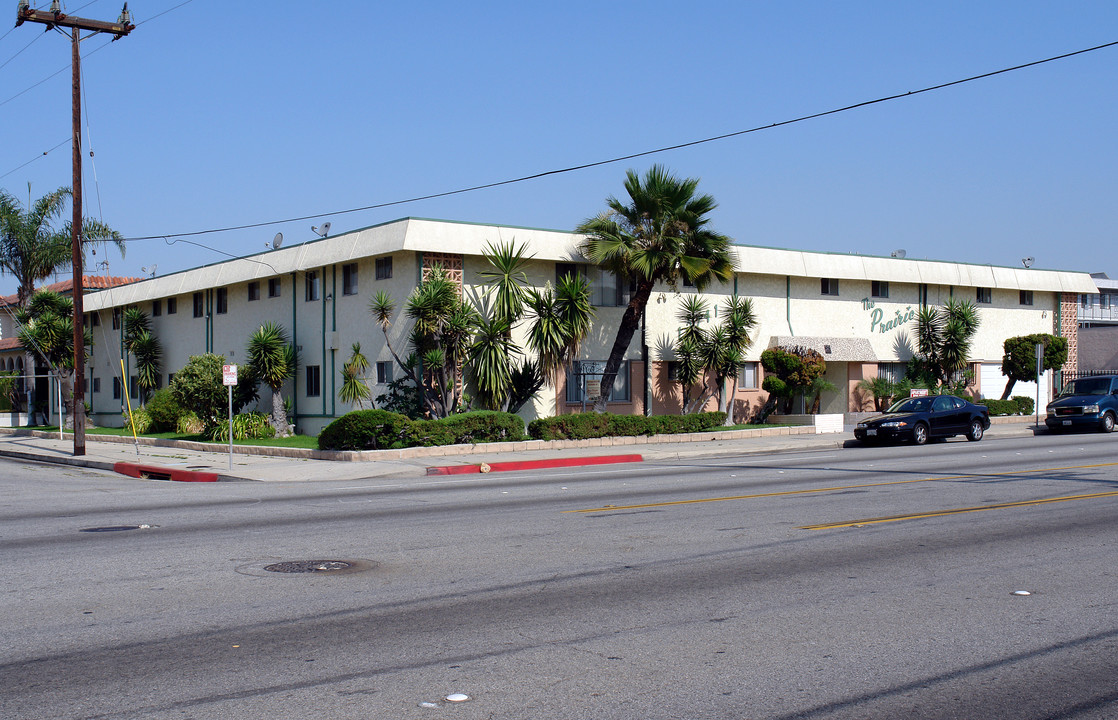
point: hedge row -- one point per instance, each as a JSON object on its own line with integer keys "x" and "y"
{"x": 593, "y": 425}
{"x": 1017, "y": 405}
{"x": 380, "y": 429}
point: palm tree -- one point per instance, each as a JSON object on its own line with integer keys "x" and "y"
{"x": 145, "y": 347}
{"x": 944, "y": 336}
{"x": 273, "y": 359}
{"x": 32, "y": 249}
{"x": 661, "y": 235}
{"x": 354, "y": 389}
{"x": 46, "y": 331}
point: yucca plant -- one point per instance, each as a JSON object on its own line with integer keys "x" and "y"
{"x": 273, "y": 359}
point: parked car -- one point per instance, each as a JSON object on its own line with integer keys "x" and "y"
{"x": 920, "y": 418}
{"x": 1090, "y": 402}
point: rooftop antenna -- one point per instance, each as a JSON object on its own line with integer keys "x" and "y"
{"x": 321, "y": 231}
{"x": 150, "y": 269}
{"x": 1028, "y": 262}
{"x": 276, "y": 242}
{"x": 899, "y": 254}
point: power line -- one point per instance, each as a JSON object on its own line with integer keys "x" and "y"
{"x": 667, "y": 148}
{"x": 37, "y": 157}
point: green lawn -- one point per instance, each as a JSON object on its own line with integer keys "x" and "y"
{"x": 295, "y": 441}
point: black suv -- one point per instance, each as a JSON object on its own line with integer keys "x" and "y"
{"x": 1090, "y": 402}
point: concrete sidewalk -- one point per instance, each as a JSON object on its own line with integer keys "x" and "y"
{"x": 163, "y": 459}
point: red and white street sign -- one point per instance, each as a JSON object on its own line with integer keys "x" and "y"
{"x": 228, "y": 374}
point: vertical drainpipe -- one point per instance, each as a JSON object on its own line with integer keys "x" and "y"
{"x": 333, "y": 329}
{"x": 294, "y": 339}
{"x": 210, "y": 320}
{"x": 788, "y": 303}
{"x": 322, "y": 382}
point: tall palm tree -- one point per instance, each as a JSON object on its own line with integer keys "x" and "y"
{"x": 32, "y": 249}
{"x": 661, "y": 234}
{"x": 273, "y": 359}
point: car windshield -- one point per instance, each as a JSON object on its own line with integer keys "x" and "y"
{"x": 918, "y": 404}
{"x": 1087, "y": 386}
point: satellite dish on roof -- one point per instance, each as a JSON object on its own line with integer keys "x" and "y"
{"x": 899, "y": 254}
{"x": 1028, "y": 261}
{"x": 150, "y": 269}
{"x": 321, "y": 231}
{"x": 276, "y": 241}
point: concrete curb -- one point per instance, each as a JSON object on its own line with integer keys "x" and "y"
{"x": 157, "y": 472}
{"x": 533, "y": 464}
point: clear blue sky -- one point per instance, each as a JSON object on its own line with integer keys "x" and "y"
{"x": 216, "y": 114}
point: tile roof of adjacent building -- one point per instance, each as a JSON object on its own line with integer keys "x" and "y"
{"x": 65, "y": 287}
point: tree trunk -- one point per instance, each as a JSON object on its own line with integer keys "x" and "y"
{"x": 630, "y": 321}
{"x": 1008, "y": 388}
{"x": 279, "y": 416}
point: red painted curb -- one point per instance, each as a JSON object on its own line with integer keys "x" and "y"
{"x": 534, "y": 464}
{"x": 154, "y": 472}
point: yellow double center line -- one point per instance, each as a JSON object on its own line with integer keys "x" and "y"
{"x": 893, "y": 518}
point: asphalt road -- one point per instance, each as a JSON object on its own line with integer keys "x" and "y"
{"x": 849, "y": 583}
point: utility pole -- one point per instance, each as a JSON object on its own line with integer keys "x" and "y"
{"x": 56, "y": 18}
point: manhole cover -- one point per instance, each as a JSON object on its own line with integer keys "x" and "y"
{"x": 111, "y": 528}
{"x": 309, "y": 566}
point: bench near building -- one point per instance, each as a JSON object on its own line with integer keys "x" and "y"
{"x": 856, "y": 310}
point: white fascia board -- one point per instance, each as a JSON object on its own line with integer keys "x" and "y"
{"x": 469, "y": 239}
{"x": 800, "y": 263}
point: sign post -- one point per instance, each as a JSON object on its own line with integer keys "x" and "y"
{"x": 229, "y": 379}
{"x": 1039, "y": 370}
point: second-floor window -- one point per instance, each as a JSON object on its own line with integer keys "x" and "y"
{"x": 828, "y": 286}
{"x": 984, "y": 295}
{"x": 879, "y": 289}
{"x": 199, "y": 306}
{"x": 253, "y": 291}
{"x": 349, "y": 279}
{"x": 312, "y": 285}
{"x": 222, "y": 301}
{"x": 1026, "y": 297}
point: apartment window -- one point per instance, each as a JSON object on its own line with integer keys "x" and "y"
{"x": 133, "y": 388}
{"x": 748, "y": 378}
{"x": 893, "y": 372}
{"x": 156, "y": 308}
{"x": 589, "y": 373}
{"x": 253, "y": 291}
{"x": 1104, "y": 301}
{"x": 273, "y": 287}
{"x": 384, "y": 373}
{"x": 314, "y": 381}
{"x": 384, "y": 268}
{"x": 312, "y": 285}
{"x": 984, "y": 295}
{"x": 879, "y": 289}
{"x": 923, "y": 293}
{"x": 199, "y": 308}
{"x": 116, "y": 388}
{"x": 172, "y": 306}
{"x": 828, "y": 286}
{"x": 349, "y": 279}
{"x": 1026, "y": 297}
{"x": 116, "y": 318}
{"x": 222, "y": 301}
{"x": 96, "y": 384}
{"x": 95, "y": 319}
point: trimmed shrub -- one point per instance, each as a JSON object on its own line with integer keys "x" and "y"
{"x": 428, "y": 433}
{"x": 164, "y": 411}
{"x": 484, "y": 426}
{"x": 1001, "y": 407}
{"x": 593, "y": 425}
{"x": 1025, "y": 405}
{"x": 365, "y": 430}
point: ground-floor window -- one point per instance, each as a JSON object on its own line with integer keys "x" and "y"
{"x": 314, "y": 381}
{"x": 748, "y": 379}
{"x": 384, "y": 373}
{"x": 585, "y": 377}
{"x": 891, "y": 371}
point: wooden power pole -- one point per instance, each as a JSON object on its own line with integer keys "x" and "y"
{"x": 56, "y": 18}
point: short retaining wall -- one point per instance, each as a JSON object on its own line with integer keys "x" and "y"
{"x": 820, "y": 423}
{"x": 13, "y": 420}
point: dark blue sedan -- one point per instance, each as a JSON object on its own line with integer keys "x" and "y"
{"x": 920, "y": 418}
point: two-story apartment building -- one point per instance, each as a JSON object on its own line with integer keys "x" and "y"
{"x": 858, "y": 311}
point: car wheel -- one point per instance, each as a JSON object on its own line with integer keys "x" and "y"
{"x": 920, "y": 434}
{"x": 976, "y": 431}
{"x": 1108, "y": 422}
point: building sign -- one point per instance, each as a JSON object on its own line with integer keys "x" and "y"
{"x": 879, "y": 324}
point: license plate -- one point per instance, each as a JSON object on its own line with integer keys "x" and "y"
{"x": 1067, "y": 422}
{"x": 871, "y": 432}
